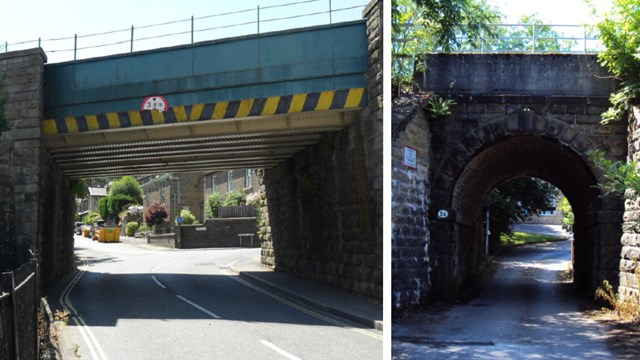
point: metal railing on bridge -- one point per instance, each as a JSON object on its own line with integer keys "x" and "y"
{"x": 187, "y": 31}
{"x": 19, "y": 298}
{"x": 507, "y": 38}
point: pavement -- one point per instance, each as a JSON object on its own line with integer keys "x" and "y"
{"x": 308, "y": 292}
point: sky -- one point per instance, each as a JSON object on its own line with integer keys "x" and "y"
{"x": 561, "y": 12}
{"x": 25, "y": 20}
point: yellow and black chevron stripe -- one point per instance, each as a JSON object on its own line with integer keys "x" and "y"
{"x": 275, "y": 105}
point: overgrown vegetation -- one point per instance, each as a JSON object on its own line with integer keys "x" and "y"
{"x": 627, "y": 309}
{"x": 620, "y": 35}
{"x": 620, "y": 178}
{"x": 122, "y": 193}
{"x": 216, "y": 200}
{"x": 131, "y": 228}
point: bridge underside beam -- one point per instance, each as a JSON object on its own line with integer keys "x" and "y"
{"x": 215, "y": 145}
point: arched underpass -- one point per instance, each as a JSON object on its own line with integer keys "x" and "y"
{"x": 532, "y": 156}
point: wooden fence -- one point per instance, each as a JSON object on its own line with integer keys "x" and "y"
{"x": 19, "y": 297}
{"x": 243, "y": 211}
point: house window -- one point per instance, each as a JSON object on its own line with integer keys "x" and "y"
{"x": 247, "y": 180}
{"x": 213, "y": 183}
{"x": 229, "y": 181}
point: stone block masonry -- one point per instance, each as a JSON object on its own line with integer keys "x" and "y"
{"x": 629, "y": 288}
{"x": 409, "y": 205}
{"x": 322, "y": 212}
{"x": 35, "y": 202}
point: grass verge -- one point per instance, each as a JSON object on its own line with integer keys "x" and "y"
{"x": 521, "y": 238}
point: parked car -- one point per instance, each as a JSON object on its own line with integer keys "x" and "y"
{"x": 94, "y": 228}
{"x": 77, "y": 227}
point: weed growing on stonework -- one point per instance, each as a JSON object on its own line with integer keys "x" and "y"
{"x": 439, "y": 107}
{"x": 624, "y": 309}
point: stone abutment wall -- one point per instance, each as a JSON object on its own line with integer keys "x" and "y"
{"x": 35, "y": 202}
{"x": 324, "y": 205}
{"x": 629, "y": 286}
{"x": 410, "y": 245}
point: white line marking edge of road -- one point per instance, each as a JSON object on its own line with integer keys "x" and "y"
{"x": 92, "y": 343}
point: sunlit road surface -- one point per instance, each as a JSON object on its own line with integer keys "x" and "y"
{"x": 131, "y": 302}
{"x": 526, "y": 311}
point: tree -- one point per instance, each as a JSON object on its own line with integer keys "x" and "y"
{"x": 122, "y": 194}
{"x": 515, "y": 200}
{"x": 521, "y": 38}
{"x": 568, "y": 219}
{"x": 620, "y": 34}
{"x": 129, "y": 186}
{"x": 423, "y": 26}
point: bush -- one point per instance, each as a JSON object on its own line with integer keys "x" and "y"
{"x": 235, "y": 198}
{"x": 142, "y": 228}
{"x": 129, "y": 186}
{"x": 131, "y": 228}
{"x": 187, "y": 217}
{"x": 111, "y": 206}
{"x": 214, "y": 201}
{"x": 91, "y": 217}
{"x": 155, "y": 214}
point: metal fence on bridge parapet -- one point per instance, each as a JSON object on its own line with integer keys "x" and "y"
{"x": 181, "y": 32}
{"x": 19, "y": 298}
{"x": 509, "y": 38}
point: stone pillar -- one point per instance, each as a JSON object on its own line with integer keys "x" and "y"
{"x": 373, "y": 135}
{"x": 410, "y": 242}
{"x": 37, "y": 208}
{"x": 322, "y": 209}
{"x": 21, "y": 74}
{"x": 629, "y": 285}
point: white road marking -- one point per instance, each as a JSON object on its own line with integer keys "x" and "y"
{"x": 161, "y": 265}
{"x": 278, "y": 350}
{"x": 198, "y": 307}
{"x": 92, "y": 343}
{"x": 158, "y": 281}
{"x": 296, "y": 306}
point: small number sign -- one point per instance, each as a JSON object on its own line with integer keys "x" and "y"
{"x": 443, "y": 214}
{"x": 155, "y": 103}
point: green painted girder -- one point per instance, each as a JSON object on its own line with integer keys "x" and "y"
{"x": 308, "y": 60}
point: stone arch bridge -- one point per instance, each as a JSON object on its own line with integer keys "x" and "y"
{"x": 515, "y": 116}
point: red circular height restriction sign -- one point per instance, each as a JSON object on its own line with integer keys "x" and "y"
{"x": 155, "y": 103}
